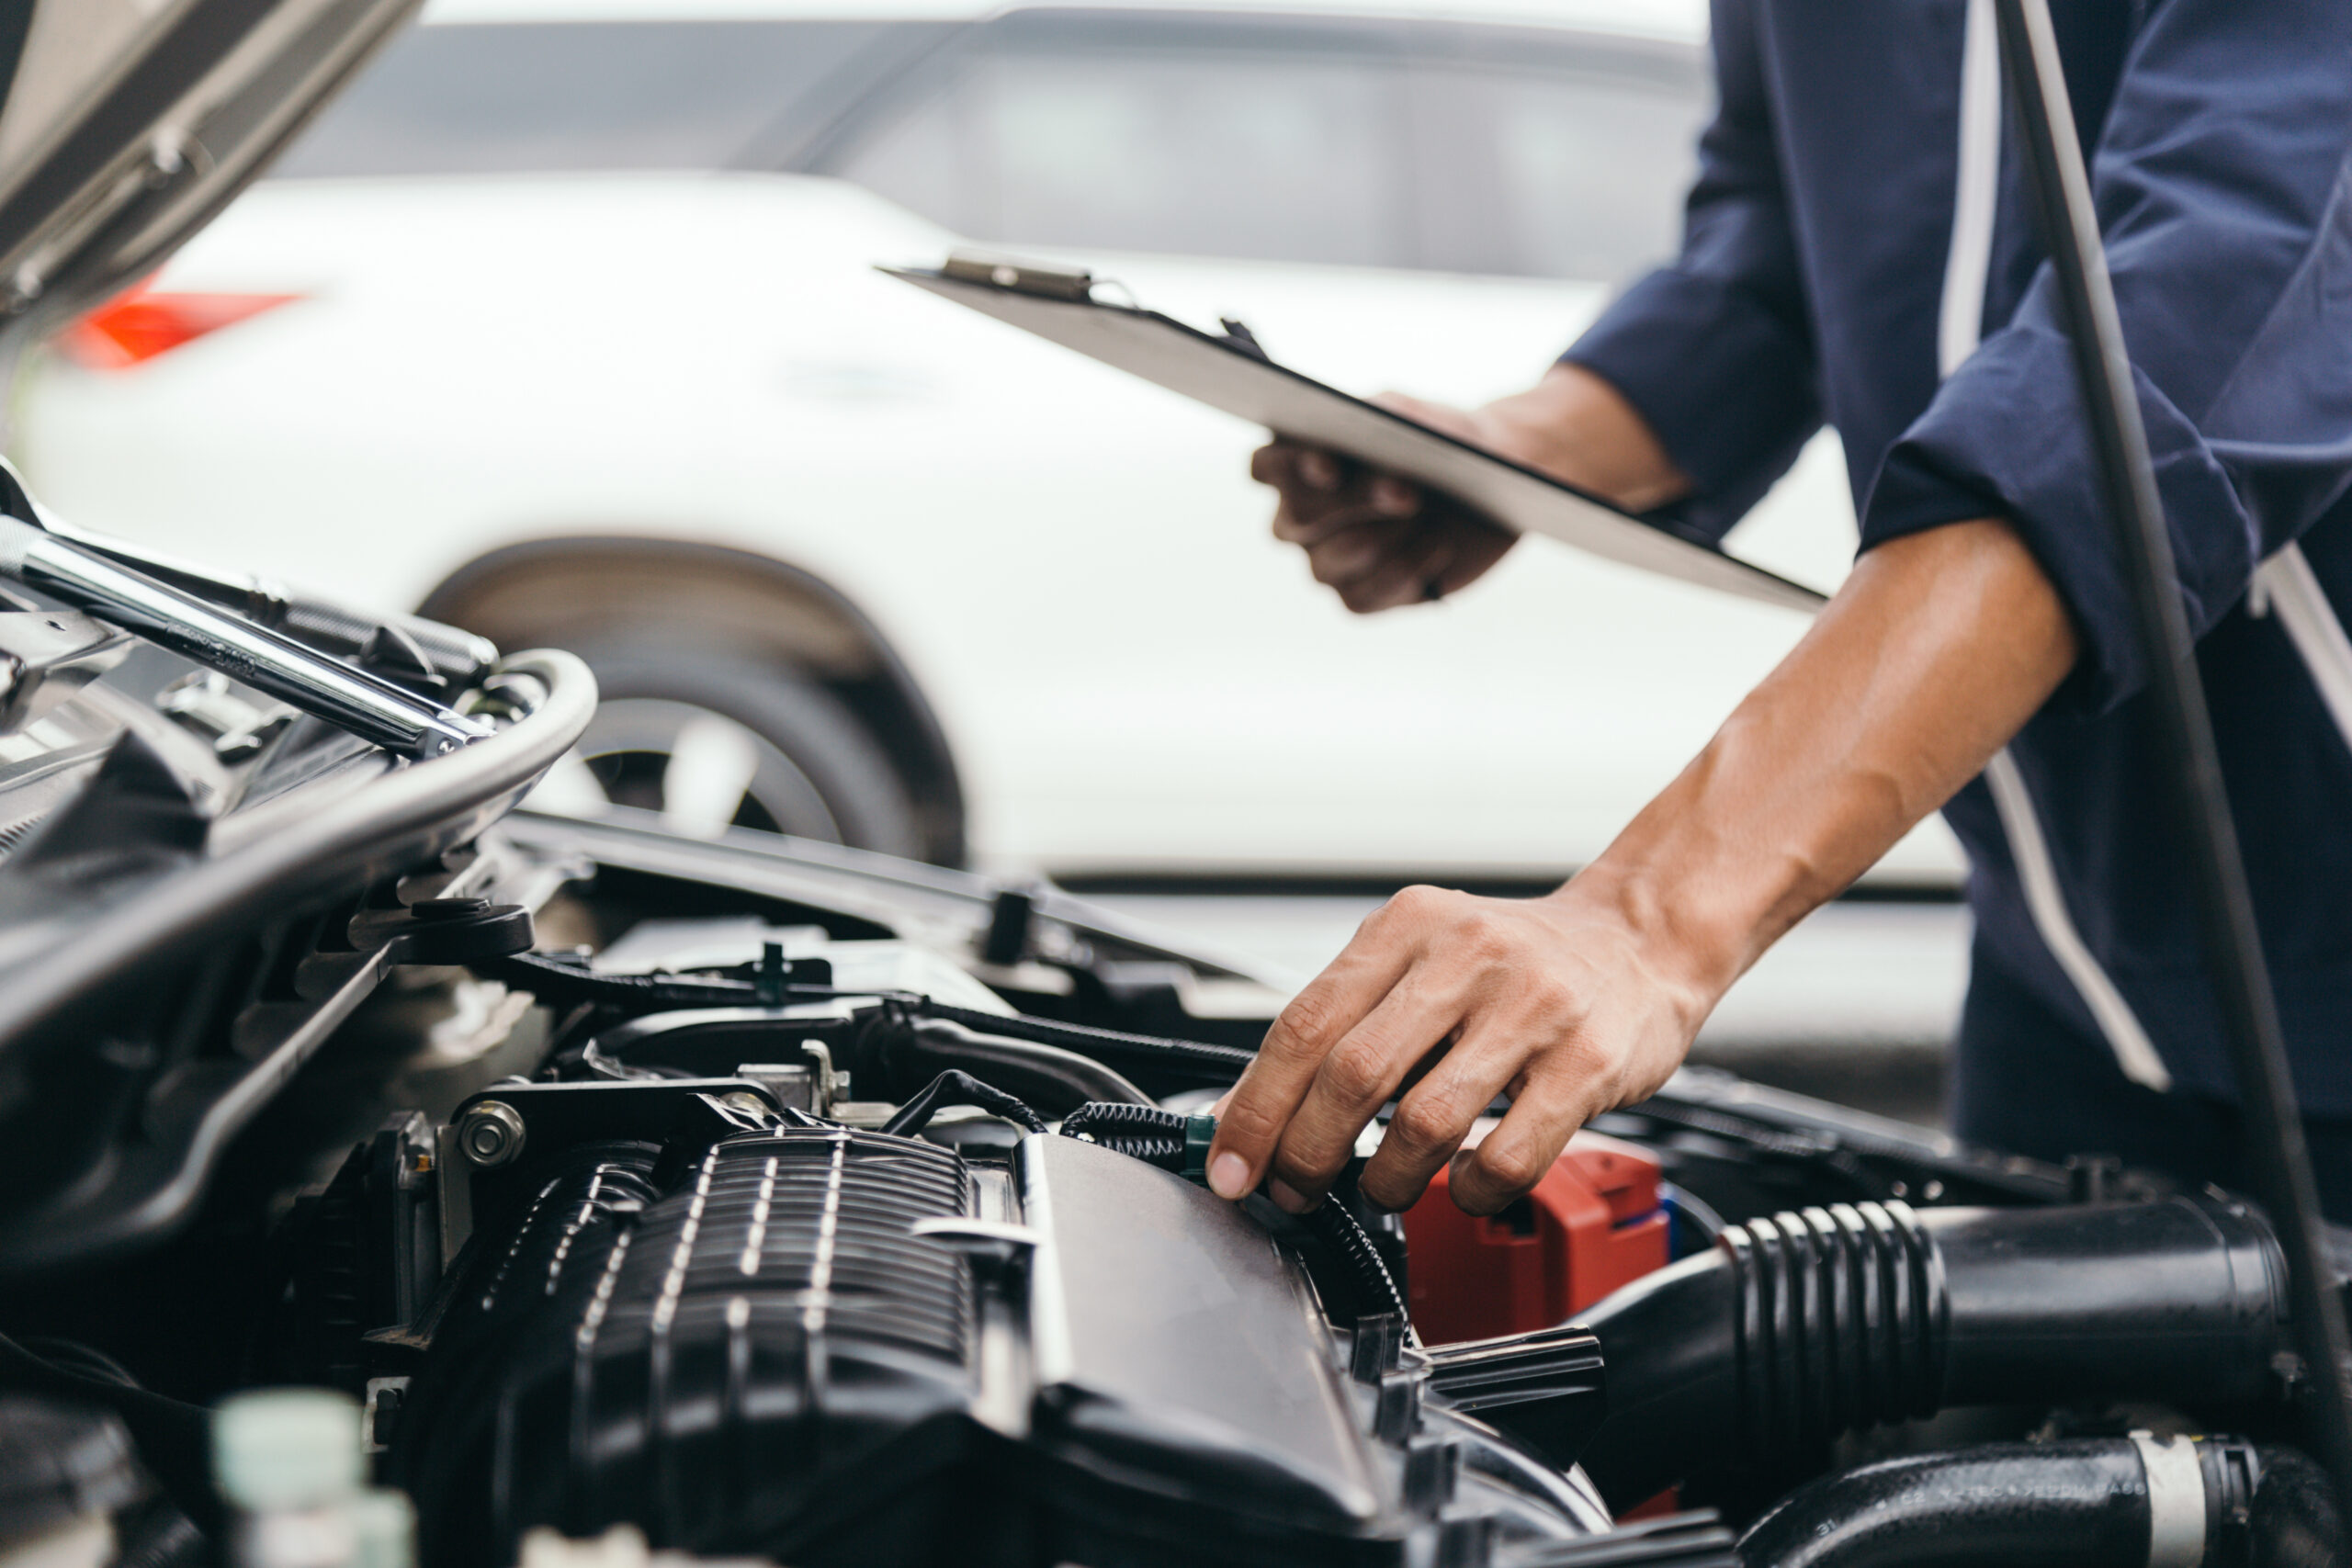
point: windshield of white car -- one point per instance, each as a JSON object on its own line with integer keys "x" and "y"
{"x": 1451, "y": 147}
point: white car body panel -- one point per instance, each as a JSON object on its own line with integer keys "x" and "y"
{"x": 1133, "y": 674}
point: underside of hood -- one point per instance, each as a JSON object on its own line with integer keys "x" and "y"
{"x": 127, "y": 124}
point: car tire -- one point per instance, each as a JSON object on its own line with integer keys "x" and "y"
{"x": 712, "y": 739}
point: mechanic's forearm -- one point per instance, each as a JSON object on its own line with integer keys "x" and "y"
{"x": 1578, "y": 426}
{"x": 1937, "y": 650}
{"x": 1581, "y": 429}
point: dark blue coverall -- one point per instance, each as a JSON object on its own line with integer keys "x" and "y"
{"x": 1817, "y": 284}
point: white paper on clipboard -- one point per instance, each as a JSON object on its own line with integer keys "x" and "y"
{"x": 1228, "y": 374}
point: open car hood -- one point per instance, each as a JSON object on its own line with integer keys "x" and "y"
{"x": 127, "y": 124}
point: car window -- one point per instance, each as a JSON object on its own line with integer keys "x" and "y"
{"x": 499, "y": 98}
{"x": 1501, "y": 149}
{"x": 1591, "y": 170}
{"x": 1277, "y": 155}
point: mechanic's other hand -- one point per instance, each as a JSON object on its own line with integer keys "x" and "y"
{"x": 1378, "y": 539}
{"x": 1559, "y": 1002}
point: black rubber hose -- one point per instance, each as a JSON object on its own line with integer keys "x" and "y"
{"x": 2295, "y": 1520}
{"x": 1796, "y": 1329}
{"x": 560, "y": 980}
{"x": 2084, "y": 1503}
{"x": 563, "y": 980}
{"x": 1191, "y": 1058}
{"x": 2067, "y": 1504}
{"x": 896, "y": 1059}
{"x": 157, "y": 1534}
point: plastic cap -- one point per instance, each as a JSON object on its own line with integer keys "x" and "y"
{"x": 287, "y": 1448}
{"x": 384, "y": 1524}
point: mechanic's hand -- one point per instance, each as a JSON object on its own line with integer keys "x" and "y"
{"x": 1377, "y": 539}
{"x": 1559, "y": 1002}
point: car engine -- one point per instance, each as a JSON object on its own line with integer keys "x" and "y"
{"x": 624, "y": 1197}
{"x": 660, "y": 1198}
{"x": 390, "y": 1173}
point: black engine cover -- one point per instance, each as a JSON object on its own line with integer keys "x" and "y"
{"x": 828, "y": 1346}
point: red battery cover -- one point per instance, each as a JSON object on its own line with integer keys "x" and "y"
{"x": 1593, "y": 1224}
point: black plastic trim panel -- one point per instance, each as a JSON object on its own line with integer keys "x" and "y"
{"x": 78, "y": 944}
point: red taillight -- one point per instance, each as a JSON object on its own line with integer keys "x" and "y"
{"x": 143, "y": 324}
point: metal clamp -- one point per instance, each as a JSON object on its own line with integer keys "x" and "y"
{"x": 2175, "y": 1501}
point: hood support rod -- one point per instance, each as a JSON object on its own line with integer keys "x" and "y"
{"x": 349, "y": 698}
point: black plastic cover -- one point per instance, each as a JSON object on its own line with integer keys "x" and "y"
{"x": 823, "y": 1345}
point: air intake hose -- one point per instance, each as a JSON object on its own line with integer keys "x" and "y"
{"x": 1802, "y": 1327}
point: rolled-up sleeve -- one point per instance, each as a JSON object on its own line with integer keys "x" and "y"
{"x": 1716, "y": 351}
{"x": 2220, "y": 179}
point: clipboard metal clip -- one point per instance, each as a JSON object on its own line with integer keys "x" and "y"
{"x": 1041, "y": 278}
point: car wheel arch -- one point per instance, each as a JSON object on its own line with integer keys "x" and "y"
{"x": 568, "y": 590}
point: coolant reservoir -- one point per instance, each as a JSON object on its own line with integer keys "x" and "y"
{"x": 1594, "y": 1222}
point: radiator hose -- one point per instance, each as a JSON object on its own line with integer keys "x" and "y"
{"x": 1796, "y": 1329}
{"x": 2100, "y": 1503}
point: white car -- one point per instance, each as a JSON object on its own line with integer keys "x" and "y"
{"x": 562, "y": 325}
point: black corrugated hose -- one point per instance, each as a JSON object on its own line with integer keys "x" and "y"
{"x": 1796, "y": 1327}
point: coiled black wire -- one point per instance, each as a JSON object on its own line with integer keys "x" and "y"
{"x": 1339, "y": 1230}
{"x": 1157, "y": 1136}
{"x": 1146, "y": 1132}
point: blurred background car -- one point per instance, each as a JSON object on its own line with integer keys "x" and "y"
{"x": 562, "y": 325}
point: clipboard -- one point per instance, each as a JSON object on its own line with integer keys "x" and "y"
{"x": 1232, "y": 373}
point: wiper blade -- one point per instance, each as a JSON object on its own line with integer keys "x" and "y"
{"x": 351, "y": 699}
